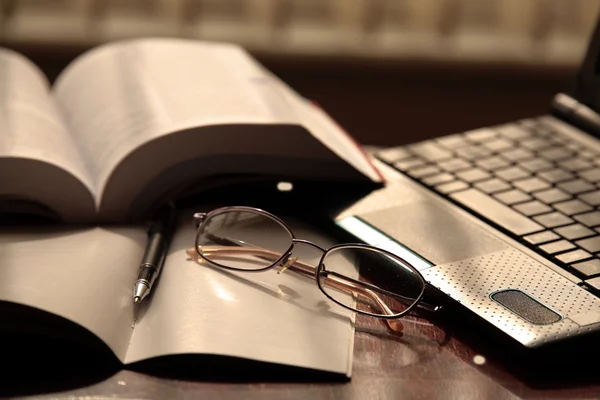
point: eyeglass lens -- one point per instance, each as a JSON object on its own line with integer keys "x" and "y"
{"x": 386, "y": 285}
{"x": 244, "y": 240}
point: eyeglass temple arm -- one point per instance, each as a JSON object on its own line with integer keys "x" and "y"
{"x": 342, "y": 282}
{"x": 303, "y": 269}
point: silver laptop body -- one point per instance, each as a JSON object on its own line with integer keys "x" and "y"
{"x": 504, "y": 220}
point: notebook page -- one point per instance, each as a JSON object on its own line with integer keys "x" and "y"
{"x": 278, "y": 318}
{"x": 30, "y": 125}
{"x": 120, "y": 96}
{"x": 85, "y": 275}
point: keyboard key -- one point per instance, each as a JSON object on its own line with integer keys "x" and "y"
{"x": 572, "y": 207}
{"x": 573, "y": 256}
{"x": 551, "y": 196}
{"x": 512, "y": 197}
{"x": 492, "y": 163}
{"x": 528, "y": 123}
{"x": 573, "y": 146}
{"x": 587, "y": 154}
{"x": 575, "y": 231}
{"x": 423, "y": 171}
{"x": 499, "y": 144}
{"x": 531, "y": 185}
{"x": 511, "y": 173}
{"x": 451, "y": 187}
{"x": 473, "y": 175}
{"x": 589, "y": 219}
{"x": 546, "y": 123}
{"x": 492, "y": 186}
{"x": 553, "y": 136}
{"x": 542, "y": 237}
{"x": 513, "y": 131}
{"x": 532, "y": 208}
{"x": 453, "y": 141}
{"x": 394, "y": 154}
{"x": 433, "y": 180}
{"x": 594, "y": 283}
{"x": 536, "y": 164}
{"x": 473, "y": 152}
{"x": 556, "y": 153}
{"x": 454, "y": 164}
{"x": 556, "y": 175}
{"x": 556, "y": 247}
{"x": 590, "y": 244}
{"x": 557, "y": 140}
{"x": 534, "y": 143}
{"x": 517, "y": 154}
{"x": 588, "y": 268}
{"x": 592, "y": 175}
{"x": 575, "y": 164}
{"x": 496, "y": 212}
{"x": 480, "y": 135}
{"x": 409, "y": 163}
{"x": 553, "y": 219}
{"x": 592, "y": 198}
{"x": 430, "y": 151}
{"x": 577, "y": 186}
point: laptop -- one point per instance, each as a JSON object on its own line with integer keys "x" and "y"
{"x": 505, "y": 220}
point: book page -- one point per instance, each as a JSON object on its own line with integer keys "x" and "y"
{"x": 123, "y": 95}
{"x": 278, "y": 318}
{"x": 85, "y": 275}
{"x": 30, "y": 125}
{"x": 321, "y": 126}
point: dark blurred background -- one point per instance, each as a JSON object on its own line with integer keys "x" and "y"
{"x": 390, "y": 71}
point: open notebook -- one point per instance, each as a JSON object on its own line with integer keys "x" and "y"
{"x": 132, "y": 124}
{"x": 83, "y": 277}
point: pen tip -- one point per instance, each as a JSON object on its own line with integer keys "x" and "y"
{"x": 137, "y": 299}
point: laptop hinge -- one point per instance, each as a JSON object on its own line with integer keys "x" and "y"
{"x": 576, "y": 113}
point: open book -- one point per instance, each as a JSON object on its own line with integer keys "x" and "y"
{"x": 76, "y": 284}
{"x": 130, "y": 124}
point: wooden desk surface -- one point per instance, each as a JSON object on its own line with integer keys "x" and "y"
{"x": 455, "y": 358}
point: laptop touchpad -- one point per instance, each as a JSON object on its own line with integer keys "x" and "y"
{"x": 438, "y": 234}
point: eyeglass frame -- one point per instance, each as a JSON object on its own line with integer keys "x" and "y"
{"x": 201, "y": 217}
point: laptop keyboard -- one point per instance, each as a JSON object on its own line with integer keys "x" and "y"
{"x": 527, "y": 179}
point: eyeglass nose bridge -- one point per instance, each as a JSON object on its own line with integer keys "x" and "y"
{"x": 285, "y": 261}
{"x": 307, "y": 243}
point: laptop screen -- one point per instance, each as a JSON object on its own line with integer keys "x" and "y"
{"x": 587, "y": 83}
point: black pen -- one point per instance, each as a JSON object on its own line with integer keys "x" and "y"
{"x": 159, "y": 238}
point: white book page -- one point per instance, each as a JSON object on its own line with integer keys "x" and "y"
{"x": 30, "y": 125}
{"x": 266, "y": 316}
{"x": 326, "y": 130}
{"x": 279, "y": 97}
{"x": 122, "y": 95}
{"x": 85, "y": 275}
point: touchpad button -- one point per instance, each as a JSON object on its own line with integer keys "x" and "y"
{"x": 526, "y": 307}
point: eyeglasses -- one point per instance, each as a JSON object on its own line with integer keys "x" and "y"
{"x": 362, "y": 278}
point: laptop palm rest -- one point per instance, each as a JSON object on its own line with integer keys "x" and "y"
{"x": 435, "y": 233}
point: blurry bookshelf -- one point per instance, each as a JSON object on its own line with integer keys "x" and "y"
{"x": 469, "y": 63}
